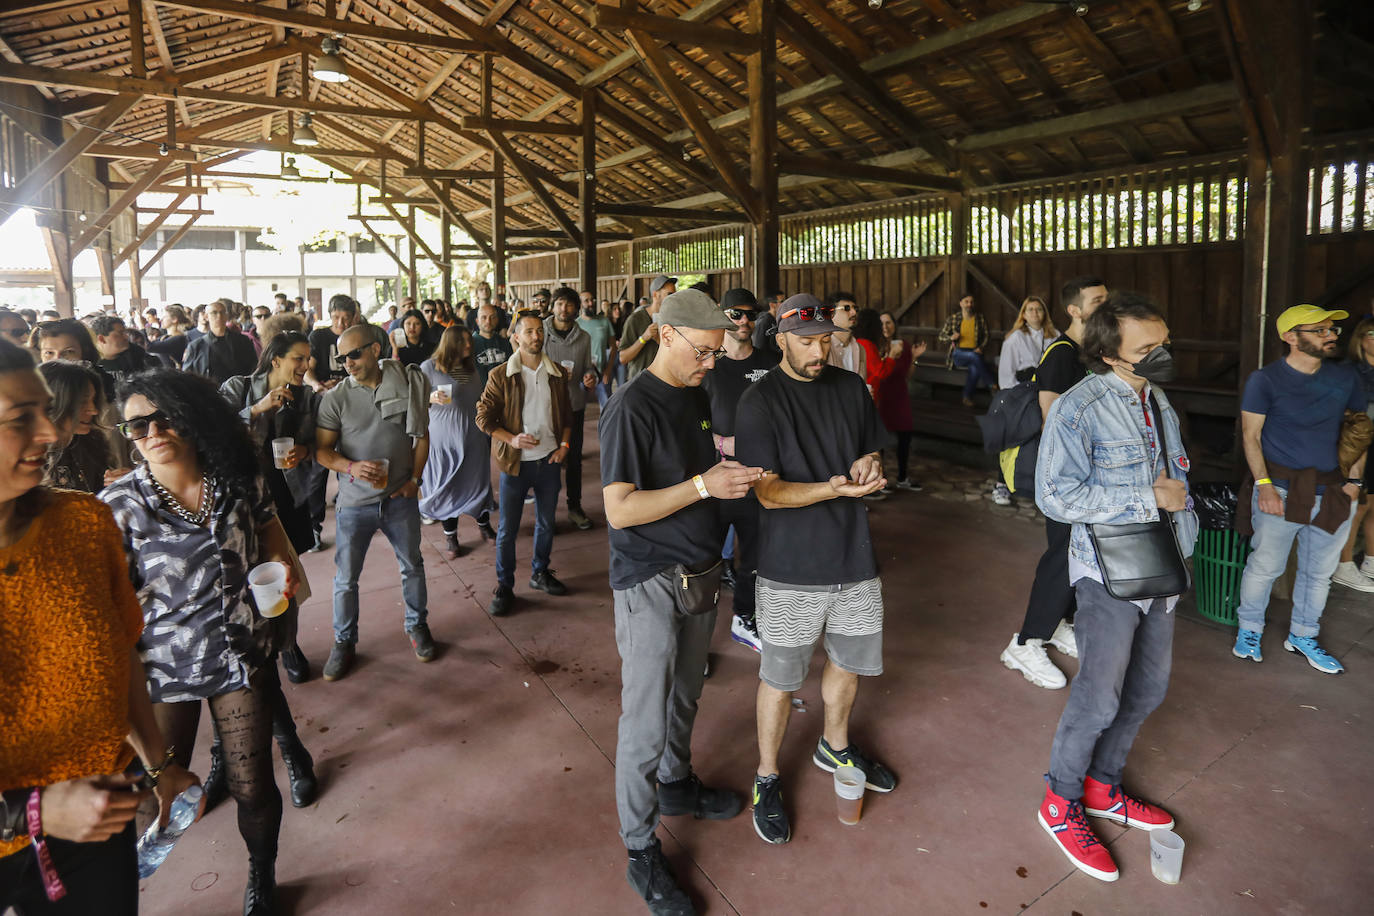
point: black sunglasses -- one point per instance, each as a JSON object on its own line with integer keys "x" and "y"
{"x": 262, "y": 314}
{"x": 737, "y": 314}
{"x": 810, "y": 313}
{"x": 138, "y": 427}
{"x": 355, "y": 354}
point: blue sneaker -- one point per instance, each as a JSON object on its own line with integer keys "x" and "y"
{"x": 1247, "y": 646}
{"x": 1316, "y": 656}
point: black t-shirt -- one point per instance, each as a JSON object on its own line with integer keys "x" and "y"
{"x": 1060, "y": 368}
{"x": 807, "y": 432}
{"x": 726, "y": 384}
{"x": 488, "y": 353}
{"x": 655, "y": 436}
{"x": 325, "y": 354}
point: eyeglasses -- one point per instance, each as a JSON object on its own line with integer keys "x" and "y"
{"x": 139, "y": 427}
{"x": 737, "y": 314}
{"x": 703, "y": 355}
{"x": 847, "y": 307}
{"x": 262, "y": 314}
{"x": 355, "y": 355}
{"x": 427, "y": 311}
{"x": 16, "y": 333}
{"x": 811, "y": 313}
{"x": 1320, "y": 332}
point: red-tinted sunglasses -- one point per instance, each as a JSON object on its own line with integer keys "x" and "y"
{"x": 810, "y": 313}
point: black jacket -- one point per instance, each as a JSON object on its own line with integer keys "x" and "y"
{"x": 220, "y": 358}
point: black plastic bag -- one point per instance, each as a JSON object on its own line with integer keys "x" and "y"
{"x": 1215, "y": 505}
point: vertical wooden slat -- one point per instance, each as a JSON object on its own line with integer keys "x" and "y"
{"x": 1207, "y": 206}
{"x": 1314, "y": 192}
{"x": 1338, "y": 157}
{"x": 1361, "y": 183}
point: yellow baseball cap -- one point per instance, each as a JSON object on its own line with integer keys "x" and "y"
{"x": 1307, "y": 314}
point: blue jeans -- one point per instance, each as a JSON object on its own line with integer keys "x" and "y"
{"x": 399, "y": 520}
{"x": 978, "y": 372}
{"x": 1123, "y": 673}
{"x": 1318, "y": 555}
{"x": 546, "y": 480}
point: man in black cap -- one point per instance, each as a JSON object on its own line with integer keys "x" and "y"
{"x": 661, "y": 481}
{"x": 743, "y": 365}
{"x": 639, "y": 336}
{"x": 816, "y": 429}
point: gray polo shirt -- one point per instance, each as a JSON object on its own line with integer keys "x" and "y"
{"x": 377, "y": 423}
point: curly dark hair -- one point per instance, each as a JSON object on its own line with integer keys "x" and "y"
{"x": 1102, "y": 331}
{"x": 201, "y": 416}
{"x": 868, "y": 325}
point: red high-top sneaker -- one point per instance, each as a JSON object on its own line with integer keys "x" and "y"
{"x": 1064, "y": 821}
{"x": 1112, "y": 802}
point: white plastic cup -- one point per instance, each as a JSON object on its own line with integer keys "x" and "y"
{"x": 567, "y": 365}
{"x": 445, "y": 393}
{"x": 281, "y": 449}
{"x": 386, "y": 473}
{"x": 267, "y": 581}
{"x": 849, "y": 794}
{"x": 1166, "y": 855}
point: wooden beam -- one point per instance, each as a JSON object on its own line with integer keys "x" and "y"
{"x": 285, "y": 146}
{"x": 408, "y": 224}
{"x": 793, "y": 164}
{"x": 260, "y": 13}
{"x": 166, "y": 246}
{"x": 138, "y": 64}
{"x": 445, "y": 201}
{"x": 673, "y": 29}
{"x": 920, "y": 291}
{"x": 821, "y": 52}
{"x": 559, "y": 234}
{"x": 647, "y": 211}
{"x": 541, "y": 193}
{"x": 57, "y": 162}
{"x": 151, "y": 228}
{"x": 762, "y": 77}
{"x": 1214, "y": 95}
{"x": 158, "y": 88}
{"x": 686, "y": 104}
{"x": 512, "y": 126}
{"x": 627, "y": 58}
{"x": 449, "y": 174}
{"x": 586, "y": 204}
{"x": 122, "y": 203}
{"x": 376, "y": 237}
{"x": 138, "y": 151}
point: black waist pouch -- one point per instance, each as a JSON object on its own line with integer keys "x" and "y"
{"x": 1140, "y": 560}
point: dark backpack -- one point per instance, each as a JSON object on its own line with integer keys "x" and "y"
{"x": 1011, "y": 428}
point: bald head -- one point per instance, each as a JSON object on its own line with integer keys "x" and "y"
{"x": 356, "y": 336}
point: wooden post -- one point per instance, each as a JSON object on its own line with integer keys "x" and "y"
{"x": 763, "y": 148}
{"x": 586, "y": 190}
{"x": 446, "y": 249}
{"x": 957, "y": 267}
{"x": 138, "y": 66}
{"x": 498, "y": 195}
{"x": 135, "y": 278}
{"x": 412, "y": 275}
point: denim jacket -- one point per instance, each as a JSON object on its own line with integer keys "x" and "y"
{"x": 1094, "y": 464}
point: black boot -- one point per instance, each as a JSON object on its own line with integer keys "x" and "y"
{"x": 216, "y": 780}
{"x": 262, "y": 885}
{"x": 293, "y": 661}
{"x": 300, "y": 770}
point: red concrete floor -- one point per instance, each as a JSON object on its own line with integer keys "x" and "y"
{"x": 482, "y": 782}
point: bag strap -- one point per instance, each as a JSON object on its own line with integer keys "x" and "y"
{"x": 1045, "y": 354}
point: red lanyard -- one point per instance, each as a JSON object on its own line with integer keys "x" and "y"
{"x": 1149, "y": 425}
{"x": 52, "y": 884}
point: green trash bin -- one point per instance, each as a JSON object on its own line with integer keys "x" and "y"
{"x": 1218, "y": 561}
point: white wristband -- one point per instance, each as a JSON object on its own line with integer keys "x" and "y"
{"x": 701, "y": 487}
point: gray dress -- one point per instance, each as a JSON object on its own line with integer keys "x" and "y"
{"x": 457, "y": 479}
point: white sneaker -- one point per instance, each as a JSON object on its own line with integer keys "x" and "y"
{"x": 1064, "y": 640}
{"x": 1350, "y": 576}
{"x": 1367, "y": 567}
{"x": 1033, "y": 664}
{"x": 1001, "y": 495}
{"x": 741, "y": 633}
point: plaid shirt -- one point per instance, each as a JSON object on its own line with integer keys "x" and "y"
{"x": 950, "y": 333}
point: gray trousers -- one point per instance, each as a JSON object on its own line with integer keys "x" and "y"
{"x": 1124, "y": 656}
{"x": 663, "y": 644}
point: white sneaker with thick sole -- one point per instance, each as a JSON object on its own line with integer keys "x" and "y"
{"x": 1349, "y": 575}
{"x": 1035, "y": 666}
{"x": 1064, "y": 640}
{"x": 740, "y": 633}
{"x": 1367, "y": 567}
{"x": 1001, "y": 495}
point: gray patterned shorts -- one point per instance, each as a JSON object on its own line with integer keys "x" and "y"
{"x": 792, "y": 617}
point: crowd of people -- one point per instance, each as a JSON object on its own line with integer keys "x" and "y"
{"x": 168, "y": 455}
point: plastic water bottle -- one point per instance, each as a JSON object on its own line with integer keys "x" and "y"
{"x": 154, "y": 845}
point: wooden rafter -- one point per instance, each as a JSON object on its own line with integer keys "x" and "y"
{"x": 673, "y": 29}
{"x": 408, "y": 224}
{"x": 522, "y": 168}
{"x": 445, "y": 201}
{"x": 152, "y": 227}
{"x": 166, "y": 246}
{"x": 793, "y": 164}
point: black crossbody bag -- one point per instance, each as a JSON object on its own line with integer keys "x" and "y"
{"x": 1142, "y": 560}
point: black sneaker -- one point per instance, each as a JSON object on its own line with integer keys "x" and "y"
{"x": 422, "y": 642}
{"x": 770, "y": 820}
{"x": 545, "y": 582}
{"x": 727, "y": 576}
{"x": 579, "y": 518}
{"x": 484, "y": 526}
{"x": 877, "y": 777}
{"x": 689, "y": 796}
{"x": 297, "y": 668}
{"x": 501, "y": 600}
{"x": 340, "y": 661}
{"x": 652, "y": 878}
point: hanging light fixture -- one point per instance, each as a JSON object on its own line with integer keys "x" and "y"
{"x": 329, "y": 67}
{"x": 305, "y": 134}
{"x": 289, "y": 170}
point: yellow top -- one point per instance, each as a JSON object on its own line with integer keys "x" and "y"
{"x": 68, "y": 618}
{"x": 968, "y": 333}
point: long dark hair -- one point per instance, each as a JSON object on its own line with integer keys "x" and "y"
{"x": 277, "y": 347}
{"x": 868, "y": 325}
{"x": 202, "y": 417}
{"x": 450, "y": 345}
{"x": 65, "y": 326}
{"x": 67, "y": 382}
{"x": 424, "y": 325}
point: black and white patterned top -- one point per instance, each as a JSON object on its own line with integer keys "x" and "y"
{"x": 201, "y": 637}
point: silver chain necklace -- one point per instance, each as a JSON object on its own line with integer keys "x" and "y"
{"x": 195, "y": 518}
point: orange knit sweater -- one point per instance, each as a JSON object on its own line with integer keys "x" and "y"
{"x": 68, "y": 618}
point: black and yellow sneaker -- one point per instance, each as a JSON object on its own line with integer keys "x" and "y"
{"x": 878, "y": 778}
{"x": 770, "y": 820}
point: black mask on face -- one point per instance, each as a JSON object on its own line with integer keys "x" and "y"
{"x": 1157, "y": 366}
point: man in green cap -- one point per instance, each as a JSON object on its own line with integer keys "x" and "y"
{"x": 1291, "y": 417}
{"x": 660, "y": 481}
